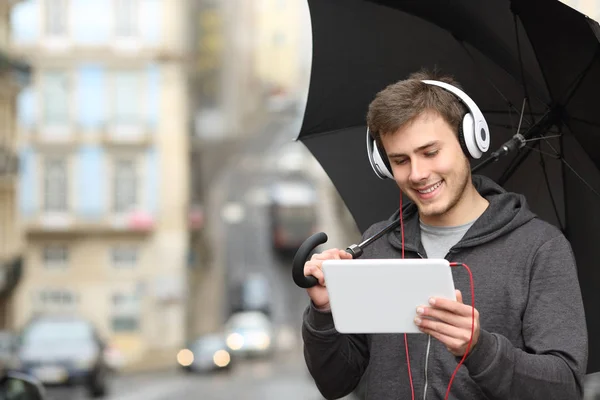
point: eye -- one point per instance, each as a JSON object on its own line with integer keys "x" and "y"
{"x": 431, "y": 153}
{"x": 401, "y": 161}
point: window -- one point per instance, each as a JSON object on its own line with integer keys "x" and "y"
{"x": 125, "y": 185}
{"x": 124, "y": 256}
{"x": 56, "y": 298}
{"x": 122, "y": 323}
{"x": 55, "y": 256}
{"x": 126, "y": 100}
{"x": 55, "y": 97}
{"x": 56, "y": 17}
{"x": 126, "y": 18}
{"x": 55, "y": 185}
{"x": 126, "y": 312}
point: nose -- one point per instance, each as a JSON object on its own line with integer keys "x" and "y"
{"x": 418, "y": 172}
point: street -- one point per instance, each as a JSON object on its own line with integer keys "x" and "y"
{"x": 248, "y": 246}
{"x": 283, "y": 378}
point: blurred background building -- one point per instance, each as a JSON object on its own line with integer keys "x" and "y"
{"x": 104, "y": 180}
{"x": 250, "y": 61}
{"x": 14, "y": 76}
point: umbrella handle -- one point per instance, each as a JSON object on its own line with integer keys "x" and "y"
{"x": 301, "y": 258}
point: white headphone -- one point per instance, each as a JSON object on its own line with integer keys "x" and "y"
{"x": 473, "y": 134}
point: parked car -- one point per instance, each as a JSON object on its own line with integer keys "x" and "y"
{"x": 208, "y": 353}
{"x": 64, "y": 351}
{"x": 249, "y": 333}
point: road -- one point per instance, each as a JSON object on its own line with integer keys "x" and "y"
{"x": 247, "y": 246}
{"x": 283, "y": 378}
{"x": 246, "y": 249}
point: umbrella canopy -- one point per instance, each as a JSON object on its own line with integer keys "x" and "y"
{"x": 538, "y": 53}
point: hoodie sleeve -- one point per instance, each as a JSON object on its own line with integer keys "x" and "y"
{"x": 335, "y": 361}
{"x": 554, "y": 361}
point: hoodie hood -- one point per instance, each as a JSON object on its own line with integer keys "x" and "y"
{"x": 506, "y": 212}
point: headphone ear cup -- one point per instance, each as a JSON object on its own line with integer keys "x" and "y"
{"x": 466, "y": 137}
{"x": 381, "y": 162}
{"x": 461, "y": 139}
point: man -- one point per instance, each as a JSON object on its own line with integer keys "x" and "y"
{"x": 530, "y": 334}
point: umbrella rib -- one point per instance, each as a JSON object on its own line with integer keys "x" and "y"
{"x": 544, "y": 138}
{"x": 487, "y": 78}
{"x": 539, "y": 114}
{"x": 556, "y": 156}
{"x": 315, "y": 135}
{"x": 580, "y": 177}
{"x": 525, "y": 91}
{"x": 585, "y": 122}
{"x": 579, "y": 79}
{"x": 548, "y": 187}
{"x": 564, "y": 184}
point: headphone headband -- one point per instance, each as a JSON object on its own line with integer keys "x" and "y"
{"x": 473, "y": 133}
{"x": 480, "y": 130}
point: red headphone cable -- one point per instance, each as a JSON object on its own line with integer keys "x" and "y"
{"x": 452, "y": 264}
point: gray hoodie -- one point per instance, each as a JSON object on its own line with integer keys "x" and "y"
{"x": 533, "y": 340}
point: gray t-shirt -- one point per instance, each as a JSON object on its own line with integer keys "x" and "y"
{"x": 437, "y": 240}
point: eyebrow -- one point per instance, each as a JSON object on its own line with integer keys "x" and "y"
{"x": 420, "y": 148}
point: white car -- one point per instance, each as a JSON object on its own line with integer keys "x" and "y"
{"x": 249, "y": 333}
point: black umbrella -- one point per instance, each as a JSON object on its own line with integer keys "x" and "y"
{"x": 532, "y": 66}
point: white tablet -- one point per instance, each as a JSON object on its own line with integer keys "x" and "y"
{"x": 382, "y": 295}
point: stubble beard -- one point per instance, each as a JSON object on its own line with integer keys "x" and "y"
{"x": 457, "y": 193}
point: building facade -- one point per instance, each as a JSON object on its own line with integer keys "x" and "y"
{"x": 103, "y": 147}
{"x": 14, "y": 76}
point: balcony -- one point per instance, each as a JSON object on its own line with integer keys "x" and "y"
{"x": 136, "y": 222}
{"x": 128, "y": 134}
{"x": 51, "y": 134}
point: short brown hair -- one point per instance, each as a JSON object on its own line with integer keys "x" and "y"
{"x": 400, "y": 103}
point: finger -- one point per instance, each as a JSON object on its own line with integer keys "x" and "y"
{"x": 311, "y": 269}
{"x": 345, "y": 255}
{"x": 447, "y": 317}
{"x": 317, "y": 255}
{"x": 461, "y": 335}
{"x": 458, "y": 296}
{"x": 328, "y": 256}
{"x": 331, "y": 254}
{"x": 317, "y": 261}
{"x": 448, "y": 341}
{"x": 450, "y": 305}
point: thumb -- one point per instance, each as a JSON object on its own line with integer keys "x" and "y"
{"x": 458, "y": 296}
{"x": 345, "y": 254}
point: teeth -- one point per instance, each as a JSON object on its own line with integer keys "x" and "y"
{"x": 431, "y": 189}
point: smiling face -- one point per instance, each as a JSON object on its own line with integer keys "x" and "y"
{"x": 430, "y": 167}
